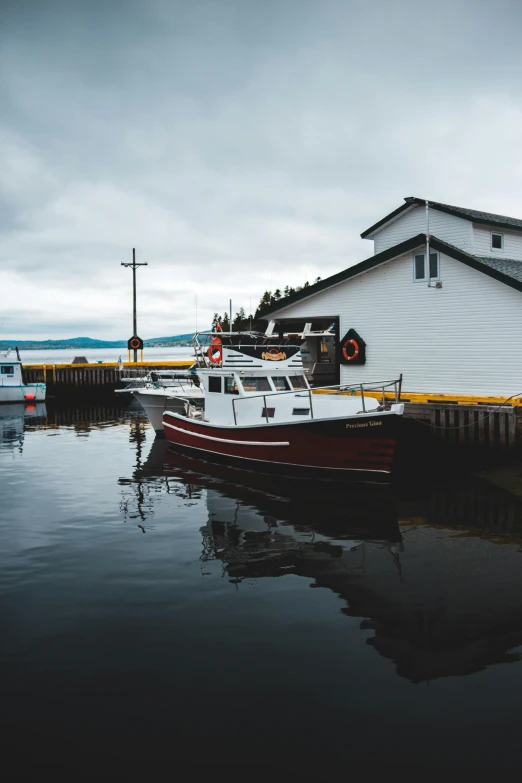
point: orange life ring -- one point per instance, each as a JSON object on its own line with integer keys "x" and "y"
{"x": 355, "y": 353}
{"x": 215, "y": 353}
{"x": 134, "y": 342}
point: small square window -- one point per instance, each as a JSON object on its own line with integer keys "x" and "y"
{"x": 434, "y": 266}
{"x": 7, "y": 369}
{"x": 214, "y": 383}
{"x": 280, "y": 384}
{"x": 231, "y": 386}
{"x": 419, "y": 266}
{"x": 268, "y": 413}
{"x": 497, "y": 241}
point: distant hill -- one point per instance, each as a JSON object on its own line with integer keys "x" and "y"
{"x": 89, "y": 342}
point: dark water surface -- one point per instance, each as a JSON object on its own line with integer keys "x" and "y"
{"x": 155, "y": 608}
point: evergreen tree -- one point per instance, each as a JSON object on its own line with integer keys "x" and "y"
{"x": 239, "y": 321}
{"x": 264, "y": 303}
{"x": 216, "y": 319}
{"x": 225, "y": 323}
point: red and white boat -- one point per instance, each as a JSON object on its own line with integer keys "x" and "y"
{"x": 260, "y": 412}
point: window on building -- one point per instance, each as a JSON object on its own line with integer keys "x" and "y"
{"x": 231, "y": 386}
{"x": 298, "y": 382}
{"x": 255, "y": 384}
{"x": 497, "y": 241}
{"x": 281, "y": 384}
{"x": 7, "y": 369}
{"x": 419, "y": 266}
{"x": 214, "y": 383}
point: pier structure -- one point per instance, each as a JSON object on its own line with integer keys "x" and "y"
{"x": 92, "y": 379}
{"x": 470, "y": 420}
{"x": 464, "y": 419}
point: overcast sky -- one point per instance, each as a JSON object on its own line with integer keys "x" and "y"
{"x": 237, "y": 144}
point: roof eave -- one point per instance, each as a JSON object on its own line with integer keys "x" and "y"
{"x": 387, "y": 255}
{"x": 475, "y": 263}
{"x": 368, "y": 234}
{"x": 352, "y": 271}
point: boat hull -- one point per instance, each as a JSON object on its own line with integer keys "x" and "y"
{"x": 29, "y": 392}
{"x": 154, "y": 405}
{"x": 359, "y": 448}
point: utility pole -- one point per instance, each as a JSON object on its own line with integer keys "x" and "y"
{"x": 134, "y": 266}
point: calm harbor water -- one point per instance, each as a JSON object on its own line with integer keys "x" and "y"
{"x": 157, "y": 608}
{"x": 105, "y": 355}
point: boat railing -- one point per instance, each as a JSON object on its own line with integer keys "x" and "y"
{"x": 370, "y": 388}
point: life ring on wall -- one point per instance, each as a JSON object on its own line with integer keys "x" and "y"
{"x": 135, "y": 343}
{"x": 355, "y": 353}
{"x": 215, "y": 352}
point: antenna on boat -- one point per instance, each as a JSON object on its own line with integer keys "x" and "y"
{"x": 230, "y": 305}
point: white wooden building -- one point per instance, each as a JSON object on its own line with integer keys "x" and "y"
{"x": 458, "y": 332}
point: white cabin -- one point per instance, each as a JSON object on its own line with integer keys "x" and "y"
{"x": 451, "y": 327}
{"x": 12, "y": 387}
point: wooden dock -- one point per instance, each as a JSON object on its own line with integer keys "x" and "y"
{"x": 462, "y": 420}
{"x": 85, "y": 380}
{"x": 465, "y": 420}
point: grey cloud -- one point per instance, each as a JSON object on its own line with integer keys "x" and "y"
{"x": 232, "y": 142}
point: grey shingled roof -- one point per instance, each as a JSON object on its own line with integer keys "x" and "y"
{"x": 476, "y": 216}
{"x": 508, "y": 266}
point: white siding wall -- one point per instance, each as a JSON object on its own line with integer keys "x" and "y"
{"x": 465, "y": 338}
{"x": 449, "y": 228}
{"x": 482, "y": 242}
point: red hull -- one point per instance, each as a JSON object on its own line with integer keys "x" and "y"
{"x": 329, "y": 447}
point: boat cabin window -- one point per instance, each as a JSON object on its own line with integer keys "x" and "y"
{"x": 214, "y": 383}
{"x": 255, "y": 384}
{"x": 281, "y": 384}
{"x": 231, "y": 386}
{"x": 7, "y": 369}
{"x": 298, "y": 382}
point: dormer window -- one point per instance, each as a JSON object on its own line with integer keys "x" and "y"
{"x": 419, "y": 267}
{"x": 497, "y": 241}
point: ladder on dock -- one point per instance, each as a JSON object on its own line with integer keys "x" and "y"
{"x": 200, "y": 352}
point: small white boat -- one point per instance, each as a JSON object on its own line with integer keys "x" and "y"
{"x": 155, "y": 378}
{"x": 166, "y": 390}
{"x": 12, "y": 387}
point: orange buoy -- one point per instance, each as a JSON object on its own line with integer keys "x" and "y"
{"x": 29, "y": 396}
{"x": 355, "y": 346}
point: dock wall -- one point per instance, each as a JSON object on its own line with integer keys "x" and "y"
{"x": 490, "y": 422}
{"x": 85, "y": 380}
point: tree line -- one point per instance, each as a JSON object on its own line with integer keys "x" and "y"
{"x": 244, "y": 323}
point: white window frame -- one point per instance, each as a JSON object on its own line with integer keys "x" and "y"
{"x": 425, "y": 278}
{"x": 497, "y": 249}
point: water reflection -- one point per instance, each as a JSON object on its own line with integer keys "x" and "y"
{"x": 14, "y": 418}
{"x": 423, "y": 571}
{"x": 433, "y": 572}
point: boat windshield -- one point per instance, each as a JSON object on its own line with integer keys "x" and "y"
{"x": 281, "y": 383}
{"x": 254, "y": 383}
{"x": 298, "y": 382}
